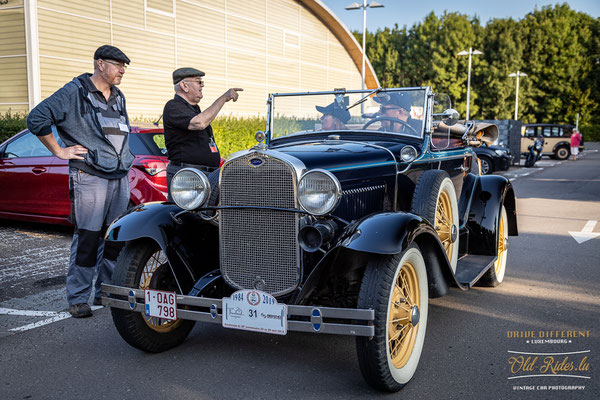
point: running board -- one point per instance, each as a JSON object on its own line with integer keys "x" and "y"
{"x": 469, "y": 270}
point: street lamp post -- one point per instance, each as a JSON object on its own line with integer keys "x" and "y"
{"x": 469, "y": 53}
{"x": 518, "y": 74}
{"x": 356, "y": 6}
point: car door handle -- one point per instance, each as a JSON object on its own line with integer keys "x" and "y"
{"x": 463, "y": 168}
{"x": 38, "y": 170}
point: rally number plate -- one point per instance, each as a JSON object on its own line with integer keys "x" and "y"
{"x": 253, "y": 310}
{"x": 161, "y": 304}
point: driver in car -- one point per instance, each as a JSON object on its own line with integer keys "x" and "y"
{"x": 395, "y": 114}
{"x": 334, "y": 117}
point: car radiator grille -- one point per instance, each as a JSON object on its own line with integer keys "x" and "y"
{"x": 259, "y": 245}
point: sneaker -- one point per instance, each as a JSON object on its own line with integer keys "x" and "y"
{"x": 81, "y": 310}
{"x": 97, "y": 301}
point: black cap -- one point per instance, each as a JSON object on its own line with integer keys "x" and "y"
{"x": 108, "y": 52}
{"x": 336, "y": 110}
{"x": 182, "y": 73}
{"x": 401, "y": 100}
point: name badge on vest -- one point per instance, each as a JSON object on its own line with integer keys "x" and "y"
{"x": 213, "y": 146}
{"x": 123, "y": 127}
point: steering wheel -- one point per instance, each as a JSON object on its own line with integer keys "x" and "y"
{"x": 392, "y": 119}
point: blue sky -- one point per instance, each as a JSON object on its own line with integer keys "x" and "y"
{"x": 408, "y": 12}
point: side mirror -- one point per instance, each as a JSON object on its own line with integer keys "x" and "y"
{"x": 450, "y": 117}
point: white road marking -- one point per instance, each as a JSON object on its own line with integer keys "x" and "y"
{"x": 54, "y": 317}
{"x": 587, "y": 233}
{"x": 57, "y": 317}
{"x": 27, "y": 313}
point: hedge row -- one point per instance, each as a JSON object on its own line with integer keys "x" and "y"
{"x": 591, "y": 133}
{"x": 11, "y": 123}
{"x": 234, "y": 134}
{"x": 231, "y": 133}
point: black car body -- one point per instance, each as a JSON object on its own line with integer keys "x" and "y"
{"x": 493, "y": 158}
{"x": 346, "y": 231}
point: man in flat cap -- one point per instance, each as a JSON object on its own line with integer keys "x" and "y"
{"x": 334, "y": 116}
{"x": 90, "y": 117}
{"x": 396, "y": 106}
{"x": 188, "y": 134}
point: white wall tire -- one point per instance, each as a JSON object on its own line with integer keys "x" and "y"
{"x": 396, "y": 288}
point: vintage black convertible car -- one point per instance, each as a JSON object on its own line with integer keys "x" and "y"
{"x": 344, "y": 229}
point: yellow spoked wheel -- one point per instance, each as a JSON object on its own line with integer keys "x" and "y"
{"x": 143, "y": 265}
{"x": 404, "y": 306}
{"x": 444, "y": 222}
{"x": 396, "y": 288}
{"x": 151, "y": 274}
{"x": 502, "y": 245}
{"x": 495, "y": 274}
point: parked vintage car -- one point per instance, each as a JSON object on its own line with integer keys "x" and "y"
{"x": 493, "y": 158}
{"x": 557, "y": 139}
{"x": 347, "y": 231}
{"x": 36, "y": 183}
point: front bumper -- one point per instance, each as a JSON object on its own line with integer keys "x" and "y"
{"x": 300, "y": 318}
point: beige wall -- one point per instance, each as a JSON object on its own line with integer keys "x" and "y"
{"x": 13, "y": 60}
{"x": 272, "y": 46}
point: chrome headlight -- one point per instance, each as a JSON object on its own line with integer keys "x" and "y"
{"x": 408, "y": 153}
{"x": 500, "y": 152}
{"x": 319, "y": 192}
{"x": 190, "y": 188}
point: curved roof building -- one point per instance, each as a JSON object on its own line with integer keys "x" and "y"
{"x": 264, "y": 46}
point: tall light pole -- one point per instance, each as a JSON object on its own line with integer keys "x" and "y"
{"x": 469, "y": 53}
{"x": 356, "y": 6}
{"x": 518, "y": 74}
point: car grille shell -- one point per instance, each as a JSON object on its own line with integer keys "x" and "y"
{"x": 259, "y": 246}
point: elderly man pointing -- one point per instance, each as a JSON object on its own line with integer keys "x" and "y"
{"x": 188, "y": 134}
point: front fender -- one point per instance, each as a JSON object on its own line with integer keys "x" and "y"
{"x": 491, "y": 193}
{"x": 380, "y": 234}
{"x": 189, "y": 242}
{"x": 385, "y": 233}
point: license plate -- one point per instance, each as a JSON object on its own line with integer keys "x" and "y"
{"x": 253, "y": 310}
{"x": 161, "y": 304}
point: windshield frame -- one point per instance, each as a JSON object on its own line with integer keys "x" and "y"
{"x": 425, "y": 125}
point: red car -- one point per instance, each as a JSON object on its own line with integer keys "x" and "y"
{"x": 35, "y": 184}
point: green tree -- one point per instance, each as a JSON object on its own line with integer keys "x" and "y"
{"x": 556, "y": 46}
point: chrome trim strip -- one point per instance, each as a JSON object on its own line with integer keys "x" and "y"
{"x": 362, "y": 190}
{"x": 298, "y": 166}
{"x": 293, "y": 311}
{"x": 348, "y": 91}
{"x": 395, "y": 167}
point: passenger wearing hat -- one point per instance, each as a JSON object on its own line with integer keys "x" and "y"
{"x": 90, "y": 117}
{"x": 334, "y": 116}
{"x": 188, "y": 134}
{"x": 397, "y": 106}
